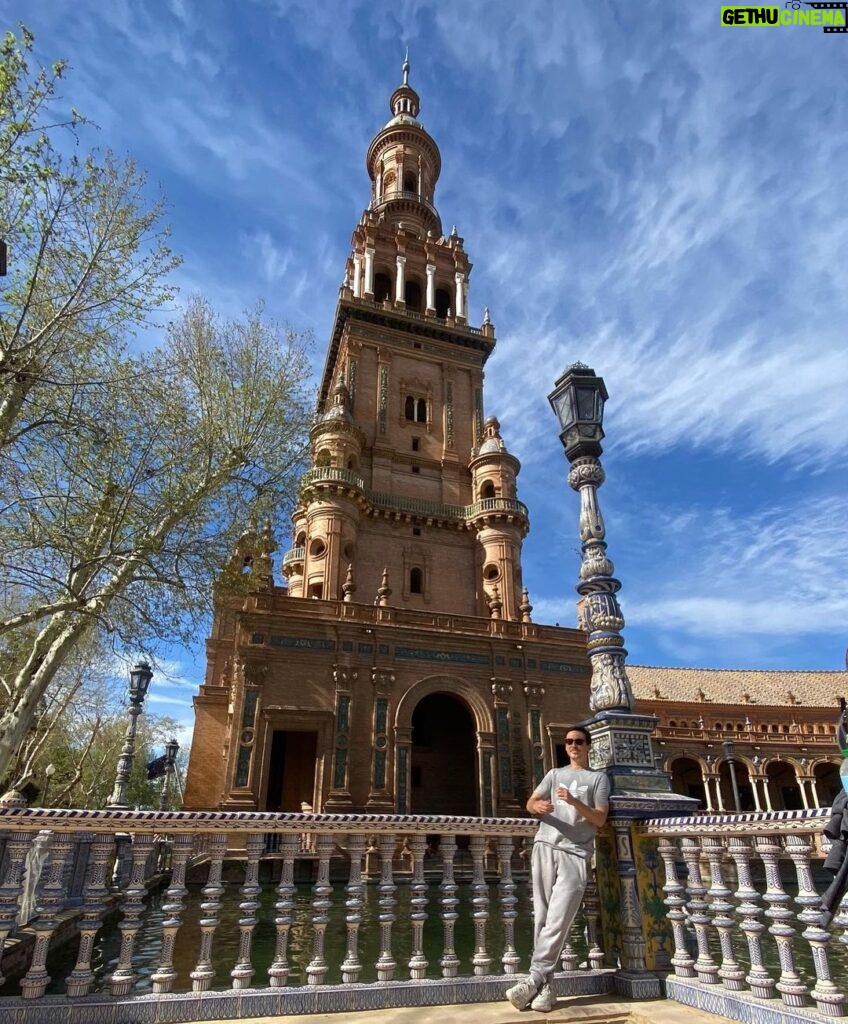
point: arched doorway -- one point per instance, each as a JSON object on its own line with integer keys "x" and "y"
{"x": 783, "y": 787}
{"x": 687, "y": 780}
{"x": 828, "y": 783}
{"x": 443, "y": 776}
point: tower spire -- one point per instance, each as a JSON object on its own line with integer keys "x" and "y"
{"x": 406, "y": 68}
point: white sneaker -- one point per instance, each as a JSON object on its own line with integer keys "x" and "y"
{"x": 545, "y": 999}
{"x": 521, "y": 994}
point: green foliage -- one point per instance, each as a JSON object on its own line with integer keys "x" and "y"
{"x": 125, "y": 478}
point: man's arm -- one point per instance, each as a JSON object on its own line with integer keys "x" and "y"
{"x": 596, "y": 816}
{"x": 539, "y": 804}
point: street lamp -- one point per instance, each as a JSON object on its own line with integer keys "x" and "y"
{"x": 730, "y": 756}
{"x": 140, "y": 676}
{"x": 49, "y": 772}
{"x": 578, "y": 401}
{"x": 171, "y": 751}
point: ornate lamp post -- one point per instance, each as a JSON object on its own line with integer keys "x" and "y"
{"x": 171, "y": 751}
{"x": 621, "y": 739}
{"x": 140, "y": 676}
{"x": 730, "y": 756}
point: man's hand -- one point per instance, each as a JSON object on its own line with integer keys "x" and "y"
{"x": 539, "y": 805}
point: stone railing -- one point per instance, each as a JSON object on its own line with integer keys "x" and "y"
{"x": 415, "y": 506}
{"x": 743, "y": 898}
{"x": 402, "y": 883}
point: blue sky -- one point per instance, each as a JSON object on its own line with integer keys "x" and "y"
{"x": 639, "y": 188}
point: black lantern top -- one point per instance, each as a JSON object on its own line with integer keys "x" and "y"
{"x": 578, "y": 400}
{"x": 171, "y": 750}
{"x": 729, "y": 749}
{"x": 140, "y": 676}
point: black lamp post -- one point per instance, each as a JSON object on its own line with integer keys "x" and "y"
{"x": 171, "y": 751}
{"x": 140, "y": 676}
{"x": 578, "y": 401}
{"x": 730, "y": 756}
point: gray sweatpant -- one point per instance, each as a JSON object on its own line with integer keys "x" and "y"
{"x": 559, "y": 881}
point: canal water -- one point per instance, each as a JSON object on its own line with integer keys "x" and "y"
{"x": 225, "y": 947}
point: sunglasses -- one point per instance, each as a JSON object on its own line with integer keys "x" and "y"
{"x": 574, "y": 743}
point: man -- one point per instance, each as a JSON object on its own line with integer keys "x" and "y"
{"x": 573, "y": 803}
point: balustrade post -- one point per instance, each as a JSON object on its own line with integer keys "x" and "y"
{"x": 829, "y": 999}
{"x": 94, "y": 906}
{"x": 386, "y": 902}
{"x": 675, "y": 901}
{"x": 352, "y": 967}
{"x": 212, "y": 893}
{"x": 592, "y": 911}
{"x": 418, "y": 903}
{"x": 317, "y": 967}
{"x": 730, "y": 972}
{"x": 481, "y": 960}
{"x": 449, "y": 961}
{"x": 17, "y": 847}
{"x": 705, "y": 966}
{"x": 792, "y": 989}
{"x": 243, "y": 971}
{"x": 760, "y": 981}
{"x": 132, "y": 907}
{"x": 164, "y": 975}
{"x": 506, "y": 884}
{"x": 49, "y": 905}
{"x": 279, "y": 970}
{"x": 569, "y": 958}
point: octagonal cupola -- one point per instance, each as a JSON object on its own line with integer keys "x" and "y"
{"x": 404, "y": 164}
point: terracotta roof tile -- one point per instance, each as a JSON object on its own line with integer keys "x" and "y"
{"x": 738, "y": 686}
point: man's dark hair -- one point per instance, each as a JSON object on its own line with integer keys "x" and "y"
{"x": 584, "y": 730}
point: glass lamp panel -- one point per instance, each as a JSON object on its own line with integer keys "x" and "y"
{"x": 564, "y": 406}
{"x": 586, "y": 405}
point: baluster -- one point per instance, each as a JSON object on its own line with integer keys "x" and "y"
{"x": 730, "y": 972}
{"x": 705, "y": 966}
{"x": 50, "y": 903}
{"x": 449, "y": 961}
{"x": 204, "y": 973}
{"x": 279, "y": 970}
{"x": 510, "y": 958}
{"x": 94, "y": 907}
{"x": 829, "y": 999}
{"x": 317, "y": 966}
{"x": 132, "y": 907}
{"x": 164, "y": 975}
{"x": 243, "y": 970}
{"x": 352, "y": 967}
{"x": 17, "y": 847}
{"x": 480, "y": 901}
{"x": 418, "y": 904}
{"x": 386, "y": 902}
{"x": 792, "y": 989}
{"x": 568, "y": 958}
{"x": 684, "y": 965}
{"x": 592, "y": 912}
{"x": 747, "y": 898}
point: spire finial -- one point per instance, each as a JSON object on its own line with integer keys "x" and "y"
{"x": 406, "y": 67}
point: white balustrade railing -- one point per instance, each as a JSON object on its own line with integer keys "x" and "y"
{"x": 397, "y": 876}
{"x": 745, "y": 910}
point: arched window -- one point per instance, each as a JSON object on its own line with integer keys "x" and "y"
{"x": 412, "y": 296}
{"x": 443, "y": 301}
{"x": 416, "y": 581}
{"x": 382, "y": 287}
{"x": 487, "y": 490}
{"x": 410, "y": 182}
{"x": 415, "y": 409}
{"x": 323, "y": 458}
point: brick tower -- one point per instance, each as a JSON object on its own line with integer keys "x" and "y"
{"x": 399, "y": 670}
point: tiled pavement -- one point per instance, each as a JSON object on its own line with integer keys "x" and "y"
{"x": 604, "y": 1009}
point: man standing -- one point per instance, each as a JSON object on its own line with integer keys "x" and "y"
{"x": 573, "y": 803}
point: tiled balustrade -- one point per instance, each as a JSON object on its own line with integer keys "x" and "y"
{"x": 431, "y": 856}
